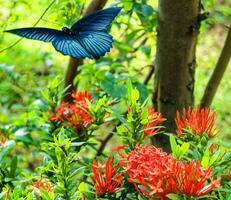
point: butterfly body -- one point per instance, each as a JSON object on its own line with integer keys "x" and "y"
{"x": 88, "y": 37}
{"x": 68, "y": 31}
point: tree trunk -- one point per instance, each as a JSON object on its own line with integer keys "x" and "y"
{"x": 74, "y": 63}
{"x": 218, "y": 73}
{"x": 178, "y": 27}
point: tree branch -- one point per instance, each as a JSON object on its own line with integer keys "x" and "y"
{"x": 149, "y": 75}
{"x": 218, "y": 72}
{"x": 74, "y": 63}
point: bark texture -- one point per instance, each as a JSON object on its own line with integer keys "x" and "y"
{"x": 218, "y": 73}
{"x": 178, "y": 27}
{"x": 74, "y": 63}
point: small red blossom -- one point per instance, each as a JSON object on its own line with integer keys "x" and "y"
{"x": 3, "y": 138}
{"x": 106, "y": 178}
{"x": 118, "y": 148}
{"x": 76, "y": 114}
{"x": 82, "y": 97}
{"x": 192, "y": 180}
{"x": 42, "y": 184}
{"x": 154, "y": 119}
{"x": 157, "y": 174}
{"x": 214, "y": 148}
{"x": 196, "y": 120}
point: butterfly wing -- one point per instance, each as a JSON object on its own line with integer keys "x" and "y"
{"x": 61, "y": 41}
{"x": 42, "y": 34}
{"x": 92, "y": 31}
{"x": 97, "y": 43}
{"x": 98, "y": 21}
{"x": 69, "y": 45}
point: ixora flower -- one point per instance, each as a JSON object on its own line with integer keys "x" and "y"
{"x": 3, "y": 138}
{"x": 154, "y": 119}
{"x": 76, "y": 114}
{"x": 106, "y": 178}
{"x": 157, "y": 174}
{"x": 197, "y": 121}
{"x": 42, "y": 184}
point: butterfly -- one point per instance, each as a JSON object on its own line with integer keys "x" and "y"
{"x": 87, "y": 38}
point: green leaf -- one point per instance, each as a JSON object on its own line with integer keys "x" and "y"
{"x": 135, "y": 95}
{"x": 142, "y": 90}
{"x": 143, "y": 11}
{"x": 13, "y": 167}
{"x": 74, "y": 173}
{"x": 174, "y": 197}
{"x": 129, "y": 91}
{"x": 7, "y": 148}
{"x": 110, "y": 85}
{"x": 205, "y": 159}
{"x": 146, "y": 50}
{"x": 184, "y": 149}
{"x": 77, "y": 144}
{"x": 127, "y": 4}
{"x": 173, "y": 143}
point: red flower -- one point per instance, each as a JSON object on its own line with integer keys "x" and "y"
{"x": 3, "y": 138}
{"x": 197, "y": 120}
{"x": 154, "y": 119}
{"x": 192, "y": 180}
{"x": 118, "y": 148}
{"x": 42, "y": 184}
{"x": 106, "y": 178}
{"x": 75, "y": 114}
{"x": 156, "y": 174}
{"x": 82, "y": 97}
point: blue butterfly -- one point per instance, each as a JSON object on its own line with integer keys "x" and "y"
{"x": 88, "y": 37}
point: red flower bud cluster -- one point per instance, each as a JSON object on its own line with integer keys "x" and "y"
{"x": 76, "y": 114}
{"x": 3, "y": 139}
{"x": 157, "y": 174}
{"x": 106, "y": 178}
{"x": 42, "y": 184}
{"x": 197, "y": 120}
{"x": 154, "y": 119}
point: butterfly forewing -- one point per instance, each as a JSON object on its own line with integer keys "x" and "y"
{"x": 42, "y": 34}
{"x": 98, "y": 21}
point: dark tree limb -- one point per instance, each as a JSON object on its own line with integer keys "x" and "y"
{"x": 218, "y": 72}
{"x": 104, "y": 143}
{"x": 149, "y": 76}
{"x": 74, "y": 63}
{"x": 178, "y": 25}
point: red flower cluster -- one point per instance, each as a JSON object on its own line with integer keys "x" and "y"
{"x": 197, "y": 120}
{"x": 106, "y": 178}
{"x": 154, "y": 119}
{"x": 75, "y": 114}
{"x": 3, "y": 139}
{"x": 156, "y": 174}
{"x": 42, "y": 184}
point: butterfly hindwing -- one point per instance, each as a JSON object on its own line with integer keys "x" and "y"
{"x": 42, "y": 34}
{"x": 97, "y": 43}
{"x": 68, "y": 45}
{"x": 98, "y": 21}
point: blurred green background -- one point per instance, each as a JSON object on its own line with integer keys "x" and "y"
{"x": 27, "y": 68}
